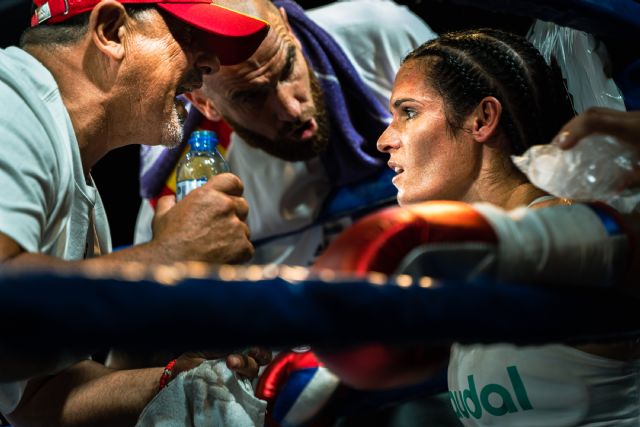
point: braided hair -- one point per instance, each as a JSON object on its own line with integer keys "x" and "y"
{"x": 464, "y": 67}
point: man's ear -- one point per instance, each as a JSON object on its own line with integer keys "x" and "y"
{"x": 285, "y": 19}
{"x": 107, "y": 28}
{"x": 485, "y": 119}
{"x": 204, "y": 105}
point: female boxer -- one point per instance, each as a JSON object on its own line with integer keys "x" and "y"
{"x": 462, "y": 105}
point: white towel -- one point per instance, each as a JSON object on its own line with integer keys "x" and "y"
{"x": 208, "y": 395}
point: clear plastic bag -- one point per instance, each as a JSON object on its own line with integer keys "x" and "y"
{"x": 599, "y": 167}
{"x": 583, "y": 60}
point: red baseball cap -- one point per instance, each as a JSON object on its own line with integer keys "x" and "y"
{"x": 235, "y": 35}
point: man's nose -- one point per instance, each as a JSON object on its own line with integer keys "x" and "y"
{"x": 288, "y": 105}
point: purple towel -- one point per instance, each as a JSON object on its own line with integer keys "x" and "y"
{"x": 357, "y": 117}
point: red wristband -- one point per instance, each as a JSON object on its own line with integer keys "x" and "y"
{"x": 166, "y": 374}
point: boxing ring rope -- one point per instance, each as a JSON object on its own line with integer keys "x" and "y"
{"x": 189, "y": 306}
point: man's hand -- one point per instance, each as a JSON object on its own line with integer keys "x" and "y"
{"x": 246, "y": 364}
{"x": 620, "y": 124}
{"x": 207, "y": 225}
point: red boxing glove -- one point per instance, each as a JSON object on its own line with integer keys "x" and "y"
{"x": 379, "y": 242}
{"x": 377, "y": 367}
{"x": 296, "y": 387}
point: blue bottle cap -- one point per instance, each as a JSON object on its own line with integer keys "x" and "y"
{"x": 203, "y": 140}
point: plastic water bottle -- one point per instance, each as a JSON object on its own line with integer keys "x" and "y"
{"x": 201, "y": 162}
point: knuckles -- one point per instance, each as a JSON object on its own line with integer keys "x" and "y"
{"x": 592, "y": 115}
{"x": 216, "y": 231}
{"x": 226, "y": 183}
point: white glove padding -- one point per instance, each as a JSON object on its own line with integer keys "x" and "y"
{"x": 556, "y": 245}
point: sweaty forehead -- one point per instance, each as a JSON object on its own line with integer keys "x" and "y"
{"x": 411, "y": 83}
{"x": 265, "y": 65}
{"x": 411, "y": 76}
{"x": 272, "y": 49}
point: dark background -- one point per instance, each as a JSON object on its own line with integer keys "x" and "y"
{"x": 116, "y": 175}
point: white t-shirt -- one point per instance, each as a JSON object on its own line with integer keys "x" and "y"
{"x": 46, "y": 204}
{"x": 375, "y": 35}
{"x": 547, "y": 385}
{"x": 550, "y": 385}
{"x": 285, "y": 197}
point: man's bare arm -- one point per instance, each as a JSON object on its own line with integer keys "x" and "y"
{"x": 87, "y": 394}
{"x": 207, "y": 225}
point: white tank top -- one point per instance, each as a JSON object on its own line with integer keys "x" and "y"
{"x": 551, "y": 385}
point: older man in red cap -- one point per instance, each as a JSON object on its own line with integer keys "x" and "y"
{"x": 92, "y": 76}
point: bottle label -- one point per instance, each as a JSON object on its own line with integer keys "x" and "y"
{"x": 185, "y": 187}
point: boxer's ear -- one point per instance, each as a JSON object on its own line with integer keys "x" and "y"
{"x": 485, "y": 119}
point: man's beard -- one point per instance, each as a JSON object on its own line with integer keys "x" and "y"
{"x": 172, "y": 130}
{"x": 288, "y": 150}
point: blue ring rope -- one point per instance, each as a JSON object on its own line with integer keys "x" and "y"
{"x": 85, "y": 314}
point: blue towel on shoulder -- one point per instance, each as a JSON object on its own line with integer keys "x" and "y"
{"x": 357, "y": 117}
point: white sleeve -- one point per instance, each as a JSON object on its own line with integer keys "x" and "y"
{"x": 375, "y": 35}
{"x": 28, "y": 175}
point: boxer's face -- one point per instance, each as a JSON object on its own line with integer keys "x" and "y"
{"x": 430, "y": 162}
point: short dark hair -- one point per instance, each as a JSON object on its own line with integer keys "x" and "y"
{"x": 69, "y": 31}
{"x": 466, "y": 66}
